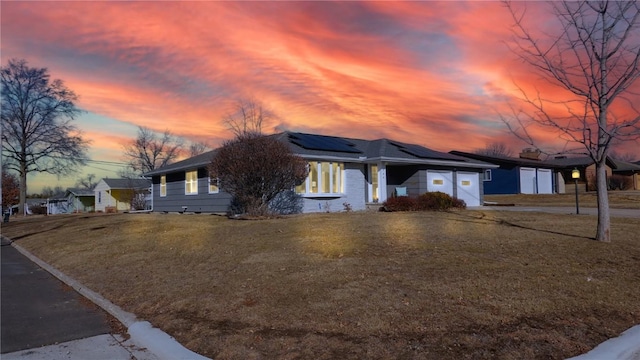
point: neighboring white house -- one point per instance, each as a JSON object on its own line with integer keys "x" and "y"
{"x": 117, "y": 194}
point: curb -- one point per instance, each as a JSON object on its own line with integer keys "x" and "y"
{"x": 624, "y": 347}
{"x": 159, "y": 343}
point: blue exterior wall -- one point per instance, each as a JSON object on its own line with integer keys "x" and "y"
{"x": 176, "y": 197}
{"x": 503, "y": 181}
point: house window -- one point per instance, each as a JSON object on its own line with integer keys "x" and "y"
{"x": 191, "y": 182}
{"x": 324, "y": 178}
{"x": 163, "y": 185}
{"x": 487, "y": 175}
{"x": 214, "y": 188}
{"x": 99, "y": 197}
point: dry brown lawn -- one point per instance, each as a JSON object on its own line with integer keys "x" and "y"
{"x": 617, "y": 199}
{"x": 364, "y": 285}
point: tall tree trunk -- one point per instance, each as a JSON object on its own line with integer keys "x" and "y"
{"x": 22, "y": 208}
{"x": 603, "y": 232}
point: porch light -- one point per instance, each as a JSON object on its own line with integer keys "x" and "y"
{"x": 575, "y": 174}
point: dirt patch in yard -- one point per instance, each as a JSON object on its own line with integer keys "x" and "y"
{"x": 459, "y": 285}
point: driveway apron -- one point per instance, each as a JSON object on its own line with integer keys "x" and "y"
{"x": 37, "y": 309}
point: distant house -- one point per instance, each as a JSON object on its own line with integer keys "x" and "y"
{"x": 342, "y": 171}
{"x": 119, "y": 194}
{"x": 57, "y": 205}
{"x": 80, "y": 200}
{"x": 526, "y": 174}
{"x": 585, "y": 166}
{"x": 625, "y": 176}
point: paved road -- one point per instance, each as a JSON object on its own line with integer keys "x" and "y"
{"x": 37, "y": 309}
{"x": 628, "y": 213}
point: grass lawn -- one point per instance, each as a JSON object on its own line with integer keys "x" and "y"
{"x": 433, "y": 285}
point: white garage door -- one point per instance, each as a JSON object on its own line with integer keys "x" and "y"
{"x": 469, "y": 188}
{"x": 545, "y": 181}
{"x": 527, "y": 181}
{"x": 440, "y": 181}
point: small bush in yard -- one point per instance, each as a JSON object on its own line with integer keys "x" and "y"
{"x": 434, "y": 201}
{"x": 400, "y": 203}
{"x": 439, "y": 201}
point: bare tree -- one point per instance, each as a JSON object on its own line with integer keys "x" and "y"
{"x": 49, "y": 192}
{"x": 149, "y": 151}
{"x": 247, "y": 118}
{"x": 255, "y": 169}
{"x": 495, "y": 149}
{"x": 87, "y": 182}
{"x": 37, "y": 133}
{"x": 595, "y": 57}
{"x": 197, "y": 148}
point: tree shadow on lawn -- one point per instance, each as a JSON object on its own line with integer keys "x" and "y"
{"x": 484, "y": 220}
{"x": 45, "y": 230}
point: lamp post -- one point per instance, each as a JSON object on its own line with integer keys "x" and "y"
{"x": 575, "y": 175}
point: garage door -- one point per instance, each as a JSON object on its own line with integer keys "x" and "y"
{"x": 440, "y": 181}
{"x": 527, "y": 181}
{"x": 545, "y": 181}
{"x": 468, "y": 188}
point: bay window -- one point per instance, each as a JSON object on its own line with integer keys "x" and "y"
{"x": 324, "y": 178}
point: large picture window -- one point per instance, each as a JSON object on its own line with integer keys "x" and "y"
{"x": 191, "y": 182}
{"x": 163, "y": 185}
{"x": 324, "y": 178}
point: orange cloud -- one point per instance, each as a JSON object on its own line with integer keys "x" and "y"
{"x": 433, "y": 73}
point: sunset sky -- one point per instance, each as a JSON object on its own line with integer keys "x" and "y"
{"x": 431, "y": 73}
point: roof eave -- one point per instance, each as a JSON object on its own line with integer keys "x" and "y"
{"x": 432, "y": 162}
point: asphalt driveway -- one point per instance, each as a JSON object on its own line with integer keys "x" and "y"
{"x": 37, "y": 309}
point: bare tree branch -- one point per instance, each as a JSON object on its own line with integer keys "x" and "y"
{"x": 594, "y": 57}
{"x": 150, "y": 151}
{"x": 247, "y": 118}
{"x": 495, "y": 149}
{"x": 198, "y": 148}
{"x": 37, "y": 130}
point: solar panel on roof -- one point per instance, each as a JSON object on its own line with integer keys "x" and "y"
{"x": 325, "y": 143}
{"x": 422, "y": 152}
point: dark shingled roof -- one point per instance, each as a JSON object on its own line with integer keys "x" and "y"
{"x": 580, "y": 161}
{"x": 79, "y": 192}
{"x": 623, "y": 166}
{"x": 191, "y": 163}
{"x": 128, "y": 183}
{"x": 359, "y": 150}
{"x": 509, "y": 160}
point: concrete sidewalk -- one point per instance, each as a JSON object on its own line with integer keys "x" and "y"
{"x": 627, "y": 213}
{"x": 44, "y": 318}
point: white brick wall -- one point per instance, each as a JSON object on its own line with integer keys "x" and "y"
{"x": 354, "y": 193}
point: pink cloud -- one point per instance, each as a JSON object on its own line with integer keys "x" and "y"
{"x": 433, "y": 73}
